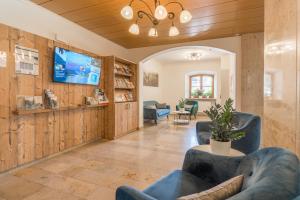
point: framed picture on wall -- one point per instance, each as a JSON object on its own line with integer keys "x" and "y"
{"x": 150, "y": 79}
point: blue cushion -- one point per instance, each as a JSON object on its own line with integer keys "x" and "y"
{"x": 162, "y": 112}
{"x": 177, "y": 184}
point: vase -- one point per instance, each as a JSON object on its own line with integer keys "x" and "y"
{"x": 220, "y": 148}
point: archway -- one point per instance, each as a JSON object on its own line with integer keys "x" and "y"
{"x": 227, "y": 65}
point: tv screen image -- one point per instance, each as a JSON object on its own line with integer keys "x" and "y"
{"x": 72, "y": 67}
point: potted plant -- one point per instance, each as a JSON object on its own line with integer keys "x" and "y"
{"x": 181, "y": 104}
{"x": 199, "y": 93}
{"x": 208, "y": 94}
{"x": 222, "y": 130}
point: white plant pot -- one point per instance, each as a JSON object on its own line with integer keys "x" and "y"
{"x": 181, "y": 109}
{"x": 220, "y": 148}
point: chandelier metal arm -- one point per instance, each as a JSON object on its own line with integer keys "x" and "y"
{"x": 145, "y": 3}
{"x": 171, "y": 15}
{"x": 175, "y": 2}
{"x": 141, "y": 14}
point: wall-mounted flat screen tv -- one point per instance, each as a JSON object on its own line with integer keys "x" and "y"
{"x": 72, "y": 67}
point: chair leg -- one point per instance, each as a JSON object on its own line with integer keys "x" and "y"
{"x": 155, "y": 121}
{"x": 168, "y": 117}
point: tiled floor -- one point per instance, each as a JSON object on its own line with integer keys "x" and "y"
{"x": 93, "y": 172}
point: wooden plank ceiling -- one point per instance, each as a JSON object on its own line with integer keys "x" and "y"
{"x": 211, "y": 19}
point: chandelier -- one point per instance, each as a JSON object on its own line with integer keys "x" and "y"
{"x": 155, "y": 15}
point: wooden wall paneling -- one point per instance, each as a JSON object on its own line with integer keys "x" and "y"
{"x": 8, "y": 139}
{"x": 24, "y": 138}
{"x": 43, "y": 140}
{"x": 53, "y": 118}
{"x": 25, "y": 85}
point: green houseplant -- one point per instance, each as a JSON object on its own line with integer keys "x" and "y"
{"x": 222, "y": 127}
{"x": 198, "y": 93}
{"x": 181, "y": 104}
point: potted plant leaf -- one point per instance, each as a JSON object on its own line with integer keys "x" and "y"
{"x": 181, "y": 104}
{"x": 222, "y": 127}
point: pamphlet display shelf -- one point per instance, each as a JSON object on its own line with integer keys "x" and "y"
{"x": 38, "y": 111}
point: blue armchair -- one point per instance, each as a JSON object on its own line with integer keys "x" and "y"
{"x": 193, "y": 110}
{"x": 152, "y": 113}
{"x": 250, "y": 124}
{"x": 269, "y": 174}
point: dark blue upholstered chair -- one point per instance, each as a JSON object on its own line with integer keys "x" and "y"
{"x": 269, "y": 174}
{"x": 154, "y": 113}
{"x": 249, "y": 123}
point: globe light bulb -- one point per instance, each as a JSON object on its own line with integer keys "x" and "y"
{"x": 134, "y": 29}
{"x": 185, "y": 16}
{"x": 127, "y": 12}
{"x": 160, "y": 12}
{"x": 153, "y": 32}
{"x": 173, "y": 31}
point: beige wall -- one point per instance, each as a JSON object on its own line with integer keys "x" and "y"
{"x": 281, "y": 109}
{"x": 175, "y": 81}
{"x": 27, "y": 16}
{"x": 153, "y": 93}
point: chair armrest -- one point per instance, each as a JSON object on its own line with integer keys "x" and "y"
{"x": 194, "y": 109}
{"x": 177, "y": 107}
{"x": 203, "y": 126}
{"x": 129, "y": 193}
{"x": 168, "y": 107}
{"x": 150, "y": 113}
{"x": 212, "y": 168}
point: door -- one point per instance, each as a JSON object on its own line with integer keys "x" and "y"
{"x": 132, "y": 116}
{"x": 121, "y": 122}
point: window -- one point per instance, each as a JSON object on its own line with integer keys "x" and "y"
{"x": 202, "y": 85}
{"x": 268, "y": 84}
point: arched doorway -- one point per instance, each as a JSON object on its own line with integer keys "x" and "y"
{"x": 218, "y": 62}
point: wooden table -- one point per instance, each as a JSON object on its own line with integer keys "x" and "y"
{"x": 206, "y": 148}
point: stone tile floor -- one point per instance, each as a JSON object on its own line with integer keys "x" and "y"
{"x": 94, "y": 171}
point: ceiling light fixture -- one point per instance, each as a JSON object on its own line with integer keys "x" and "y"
{"x": 194, "y": 56}
{"x": 153, "y": 32}
{"x": 173, "y": 31}
{"x": 134, "y": 29}
{"x": 155, "y": 15}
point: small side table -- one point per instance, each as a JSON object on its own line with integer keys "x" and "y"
{"x": 177, "y": 117}
{"x": 206, "y": 148}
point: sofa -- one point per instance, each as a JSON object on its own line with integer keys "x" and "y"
{"x": 194, "y": 107}
{"x": 152, "y": 113}
{"x": 249, "y": 123}
{"x": 269, "y": 174}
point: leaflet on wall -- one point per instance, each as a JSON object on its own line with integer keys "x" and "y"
{"x": 3, "y": 59}
{"x": 27, "y": 60}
